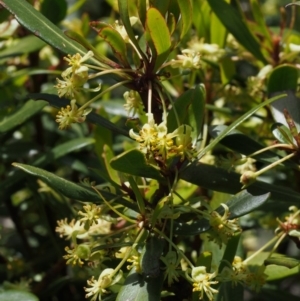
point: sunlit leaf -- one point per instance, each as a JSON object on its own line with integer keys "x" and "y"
{"x": 160, "y": 35}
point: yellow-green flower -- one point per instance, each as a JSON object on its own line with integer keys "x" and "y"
{"x": 71, "y": 114}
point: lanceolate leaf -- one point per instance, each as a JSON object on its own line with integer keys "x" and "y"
{"x": 29, "y": 109}
{"x": 218, "y": 179}
{"x": 46, "y": 158}
{"x": 116, "y": 42}
{"x": 231, "y": 19}
{"x": 70, "y": 189}
{"x": 160, "y": 35}
{"x": 123, "y": 10}
{"x": 185, "y": 7}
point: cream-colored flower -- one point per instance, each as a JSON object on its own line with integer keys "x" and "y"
{"x": 202, "y": 282}
{"x": 69, "y": 229}
{"x": 133, "y": 102}
{"x": 99, "y": 287}
{"x": 189, "y": 59}
{"x": 71, "y": 114}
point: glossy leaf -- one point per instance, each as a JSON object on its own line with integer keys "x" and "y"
{"x": 54, "y": 10}
{"x": 283, "y": 78}
{"x": 237, "y": 122}
{"x": 234, "y": 23}
{"x": 160, "y": 35}
{"x": 137, "y": 288}
{"x": 133, "y": 162}
{"x": 70, "y": 189}
{"x": 239, "y": 205}
{"x": 185, "y": 7}
{"x": 218, "y": 179}
{"x": 58, "y": 102}
{"x": 29, "y": 109}
{"x": 292, "y": 104}
{"x": 282, "y": 133}
{"x": 243, "y": 144}
{"x": 190, "y": 110}
{"x": 42, "y": 27}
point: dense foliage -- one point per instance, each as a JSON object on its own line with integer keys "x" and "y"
{"x": 149, "y": 150}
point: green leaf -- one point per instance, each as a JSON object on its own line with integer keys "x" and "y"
{"x": 239, "y": 205}
{"x": 136, "y": 288}
{"x": 227, "y": 68}
{"x": 234, "y": 23}
{"x": 190, "y": 110}
{"x": 54, "y": 10}
{"x": 236, "y": 123}
{"x": 291, "y": 103}
{"x": 282, "y": 133}
{"x": 142, "y": 8}
{"x": 162, "y": 6}
{"x": 274, "y": 271}
{"x": 218, "y": 32}
{"x": 160, "y": 35}
{"x": 92, "y": 117}
{"x": 283, "y": 261}
{"x": 42, "y": 27}
{"x": 243, "y": 144}
{"x": 29, "y": 109}
{"x": 260, "y": 20}
{"x": 229, "y": 292}
{"x": 283, "y": 78}
{"x": 186, "y": 10}
{"x": 70, "y": 189}
{"x": 116, "y": 42}
{"x": 133, "y": 162}
{"x": 218, "y": 179}
{"x": 151, "y": 257}
{"x": 15, "y": 295}
{"x": 123, "y": 10}
{"x": 24, "y": 45}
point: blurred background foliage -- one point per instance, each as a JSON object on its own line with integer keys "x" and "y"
{"x": 29, "y": 208}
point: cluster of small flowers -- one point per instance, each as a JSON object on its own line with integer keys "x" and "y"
{"x": 239, "y": 272}
{"x": 91, "y": 223}
{"x": 156, "y": 141}
{"x": 73, "y": 80}
{"x": 222, "y": 228}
